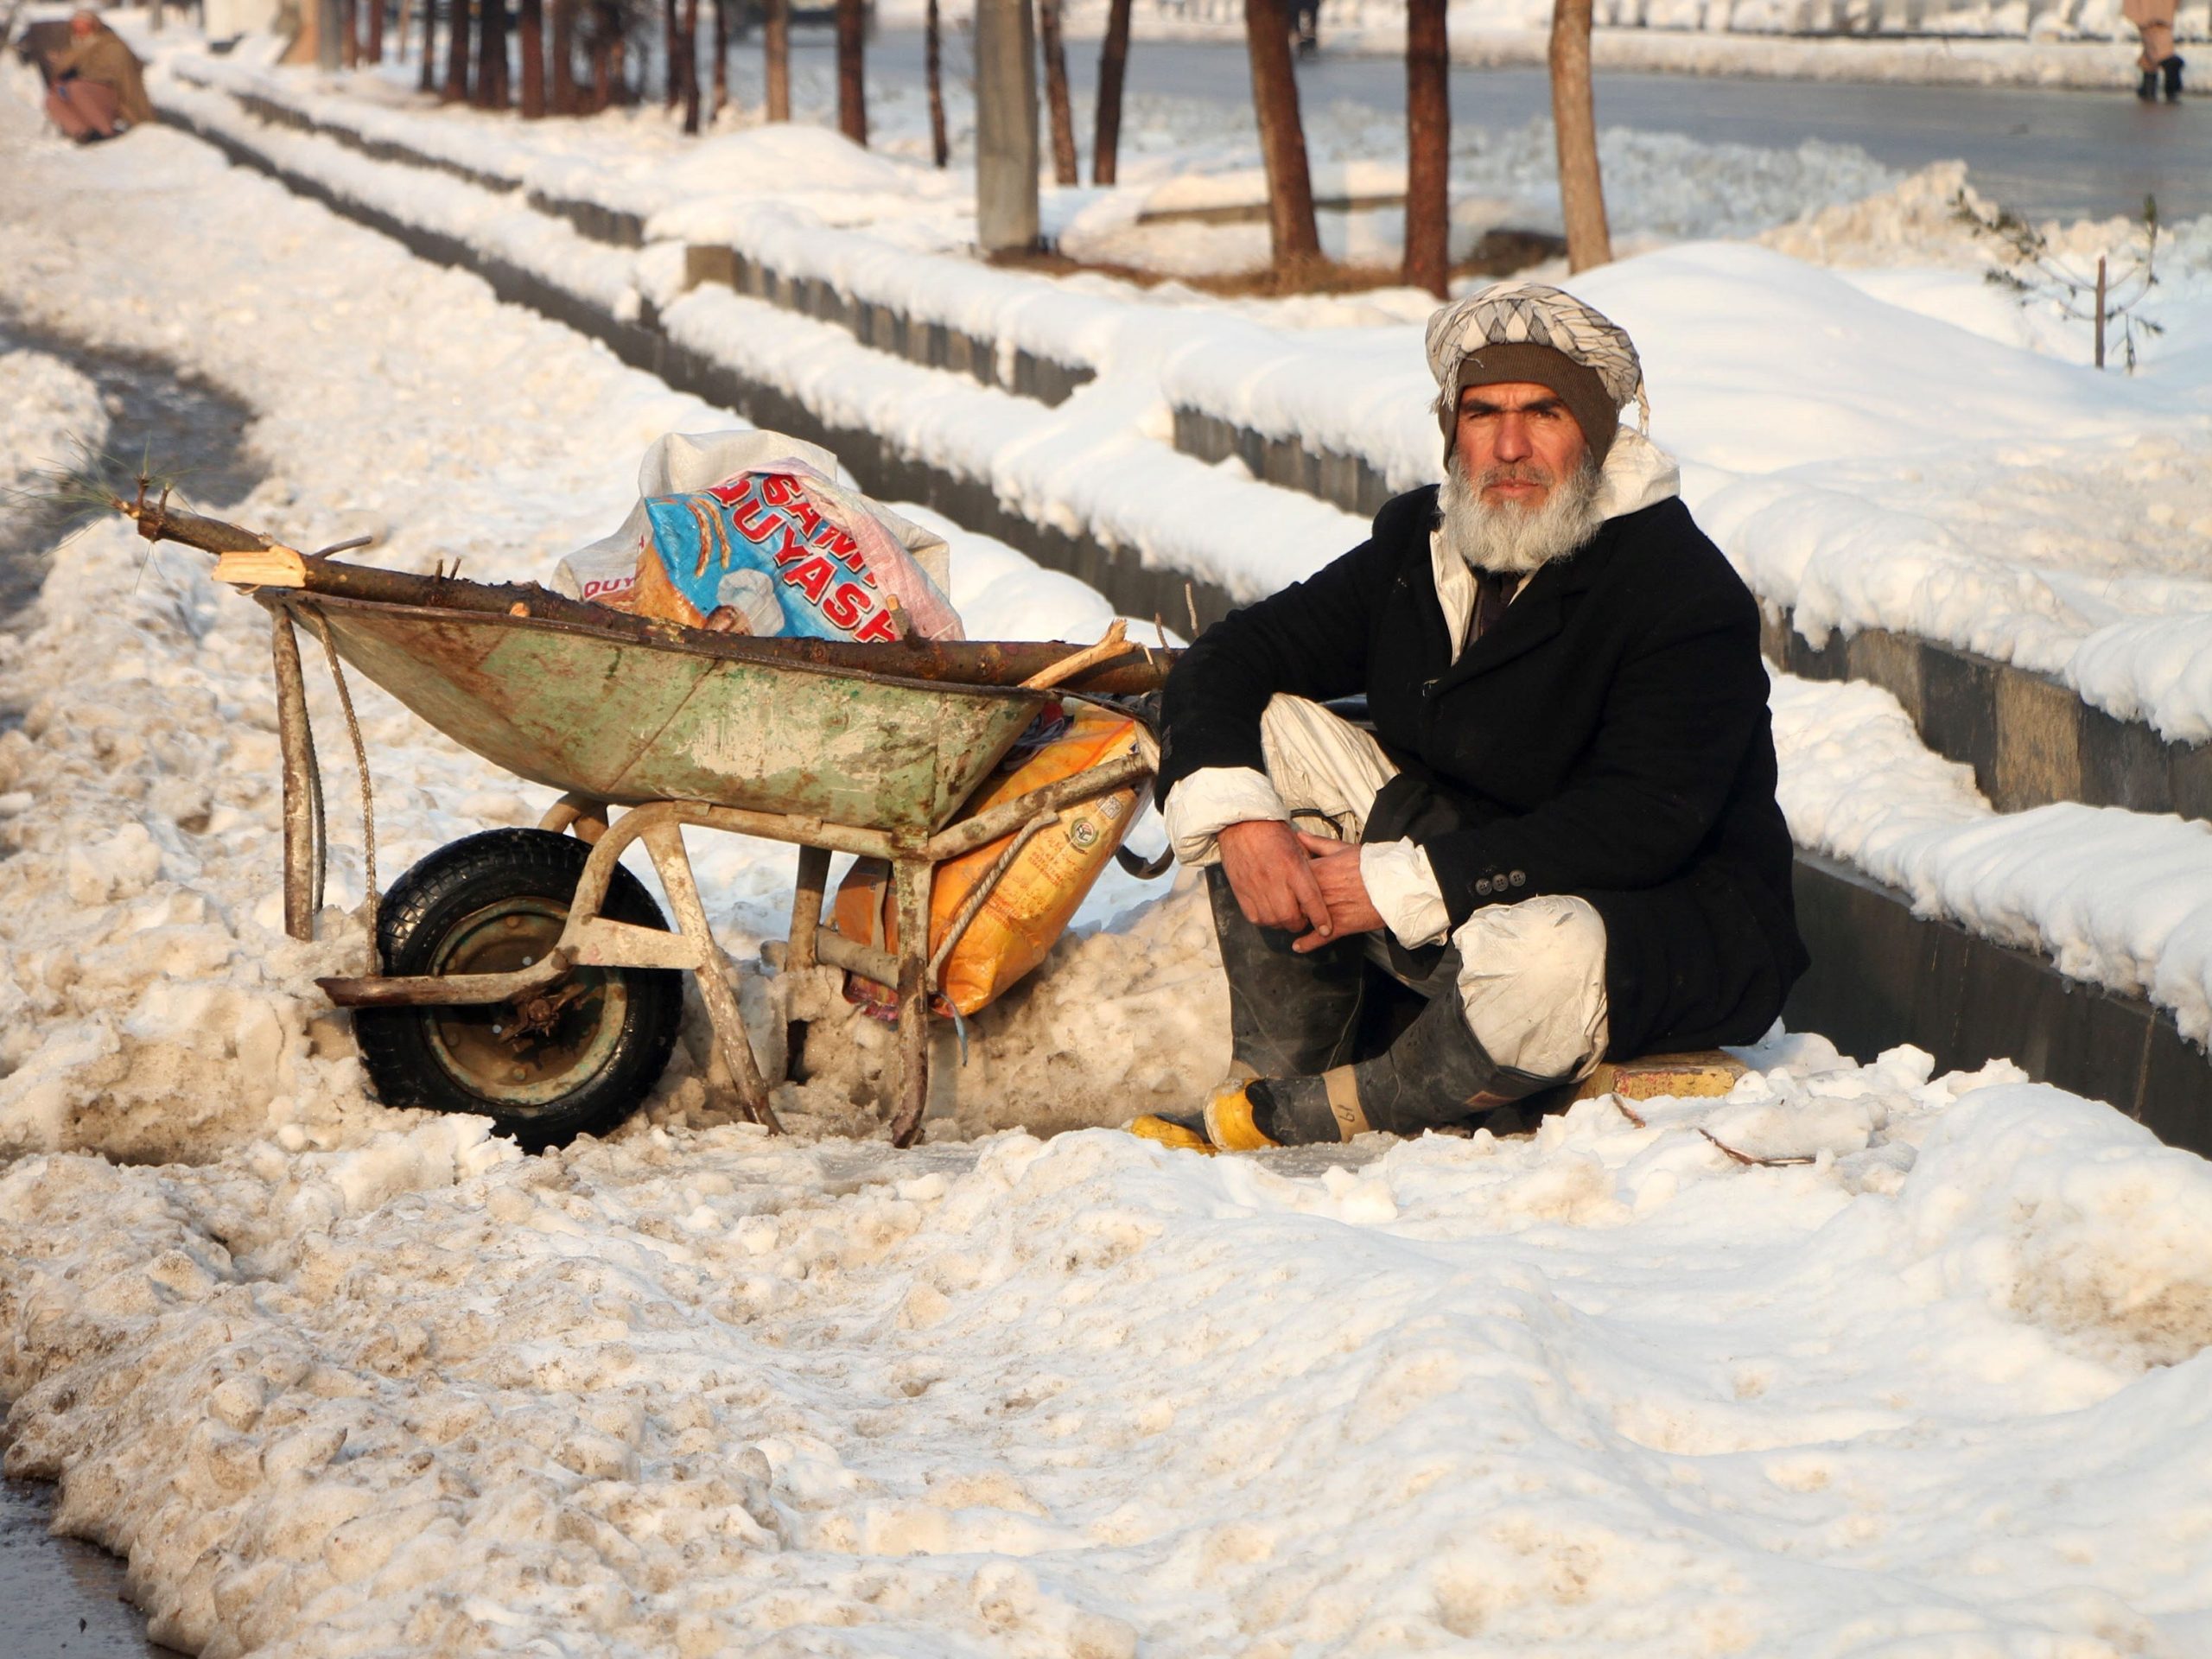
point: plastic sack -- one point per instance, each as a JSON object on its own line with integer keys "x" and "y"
{"x": 1041, "y": 892}
{"x": 755, "y": 526}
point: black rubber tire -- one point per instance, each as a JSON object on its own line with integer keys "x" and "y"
{"x": 434, "y": 907}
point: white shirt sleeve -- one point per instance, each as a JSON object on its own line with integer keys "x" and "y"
{"x": 1210, "y": 799}
{"x": 1401, "y": 884}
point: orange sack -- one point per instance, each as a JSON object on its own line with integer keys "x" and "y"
{"x": 1038, "y": 896}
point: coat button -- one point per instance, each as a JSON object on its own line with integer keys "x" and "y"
{"x": 1520, "y": 878}
{"x": 1483, "y": 885}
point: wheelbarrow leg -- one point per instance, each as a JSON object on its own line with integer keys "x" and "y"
{"x": 295, "y": 738}
{"x": 665, "y": 843}
{"x": 911, "y": 878}
{"x": 806, "y": 904}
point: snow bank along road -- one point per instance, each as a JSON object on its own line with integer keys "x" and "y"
{"x": 341, "y": 1379}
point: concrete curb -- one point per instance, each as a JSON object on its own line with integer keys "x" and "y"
{"x": 1882, "y": 976}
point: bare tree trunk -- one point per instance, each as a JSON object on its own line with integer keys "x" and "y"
{"x": 530, "y": 48}
{"x": 602, "y": 71}
{"x": 428, "y": 79}
{"x": 563, "y": 95}
{"x": 668, "y": 52}
{"x": 1291, "y": 229}
{"x": 491, "y": 54}
{"x": 851, "y": 71}
{"x": 690, "y": 27}
{"x": 776, "y": 51}
{"x": 1064, "y": 170}
{"x": 933, "y": 69}
{"x": 721, "y": 58}
{"x": 618, "y": 64}
{"x": 1113, "y": 65}
{"x": 373, "y": 46}
{"x": 1574, "y": 118}
{"x": 1429, "y": 149}
{"x": 456, "y": 86}
{"x": 349, "y": 34}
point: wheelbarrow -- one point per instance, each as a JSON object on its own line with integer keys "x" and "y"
{"x": 524, "y": 973}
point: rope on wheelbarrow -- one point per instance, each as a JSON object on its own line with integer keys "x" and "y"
{"x": 361, "y": 764}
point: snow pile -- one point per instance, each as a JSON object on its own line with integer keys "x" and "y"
{"x": 48, "y": 410}
{"x": 1601, "y": 1389}
{"x": 2119, "y": 898}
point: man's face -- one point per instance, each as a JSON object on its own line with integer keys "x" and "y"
{"x": 1516, "y": 441}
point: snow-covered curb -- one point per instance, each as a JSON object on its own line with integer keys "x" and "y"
{"x": 2119, "y": 898}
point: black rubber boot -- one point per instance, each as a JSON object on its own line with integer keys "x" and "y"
{"x": 1436, "y": 1073}
{"x": 2148, "y": 91}
{"x": 2173, "y": 67}
{"x": 1288, "y": 1015}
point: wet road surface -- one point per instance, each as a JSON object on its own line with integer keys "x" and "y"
{"x": 2045, "y": 153}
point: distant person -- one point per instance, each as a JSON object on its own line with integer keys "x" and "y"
{"x": 1305, "y": 21}
{"x": 2154, "y": 20}
{"x": 99, "y": 88}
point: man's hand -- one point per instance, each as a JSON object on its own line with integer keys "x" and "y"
{"x": 1285, "y": 878}
{"x": 1272, "y": 877}
{"x": 1335, "y": 870}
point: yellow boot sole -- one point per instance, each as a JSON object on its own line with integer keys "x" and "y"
{"x": 1163, "y": 1132}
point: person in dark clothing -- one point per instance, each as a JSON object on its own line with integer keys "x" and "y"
{"x": 1562, "y": 829}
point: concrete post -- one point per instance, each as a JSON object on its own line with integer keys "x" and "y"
{"x": 1006, "y": 126}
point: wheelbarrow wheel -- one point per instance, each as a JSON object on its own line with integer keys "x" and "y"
{"x": 576, "y": 1060}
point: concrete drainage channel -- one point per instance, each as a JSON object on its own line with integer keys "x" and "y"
{"x": 1882, "y": 976}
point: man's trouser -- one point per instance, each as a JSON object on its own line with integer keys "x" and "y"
{"x": 82, "y": 109}
{"x": 1530, "y": 976}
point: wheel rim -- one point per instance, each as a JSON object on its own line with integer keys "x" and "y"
{"x": 531, "y": 1055}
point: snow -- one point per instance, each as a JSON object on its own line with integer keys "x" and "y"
{"x": 42, "y": 398}
{"x": 342, "y": 1380}
{"x": 1941, "y": 1390}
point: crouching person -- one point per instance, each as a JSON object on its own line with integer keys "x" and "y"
{"x": 1562, "y": 829}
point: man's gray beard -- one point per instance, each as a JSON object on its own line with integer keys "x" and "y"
{"x": 1515, "y": 540}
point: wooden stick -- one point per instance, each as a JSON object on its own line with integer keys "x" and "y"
{"x": 1111, "y": 645}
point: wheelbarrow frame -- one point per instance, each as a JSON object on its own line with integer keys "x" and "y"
{"x": 589, "y": 938}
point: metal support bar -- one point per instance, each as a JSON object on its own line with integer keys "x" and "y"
{"x": 442, "y": 990}
{"x": 1009, "y": 815}
{"x": 665, "y": 840}
{"x": 911, "y": 878}
{"x": 806, "y": 904}
{"x": 581, "y": 813}
{"x": 295, "y": 740}
{"x": 866, "y": 960}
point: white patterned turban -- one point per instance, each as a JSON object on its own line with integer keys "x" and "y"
{"x": 1529, "y": 331}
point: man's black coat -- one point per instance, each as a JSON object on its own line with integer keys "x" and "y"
{"x": 1607, "y": 738}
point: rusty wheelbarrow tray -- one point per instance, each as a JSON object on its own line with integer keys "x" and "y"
{"x": 870, "y": 750}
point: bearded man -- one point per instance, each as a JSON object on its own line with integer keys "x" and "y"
{"x": 1562, "y": 830}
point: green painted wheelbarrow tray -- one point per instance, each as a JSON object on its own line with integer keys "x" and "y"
{"x": 865, "y": 749}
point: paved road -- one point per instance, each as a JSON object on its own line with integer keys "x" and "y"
{"x": 2045, "y": 153}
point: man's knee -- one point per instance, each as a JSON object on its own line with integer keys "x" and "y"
{"x": 1532, "y": 983}
{"x": 1322, "y": 767}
